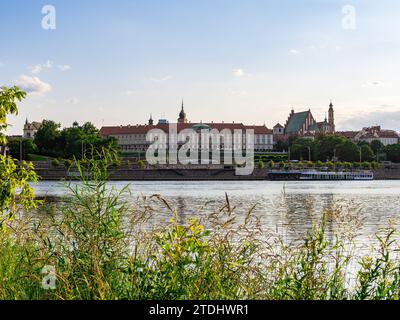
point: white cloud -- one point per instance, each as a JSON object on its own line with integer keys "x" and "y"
{"x": 238, "y": 72}
{"x": 64, "y": 67}
{"x": 41, "y": 67}
{"x": 386, "y": 119}
{"x": 237, "y": 93}
{"x": 73, "y": 101}
{"x": 294, "y": 51}
{"x": 163, "y": 79}
{"x": 129, "y": 93}
{"x": 378, "y": 84}
{"x": 33, "y": 85}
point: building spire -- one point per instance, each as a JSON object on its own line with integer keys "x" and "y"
{"x": 182, "y": 115}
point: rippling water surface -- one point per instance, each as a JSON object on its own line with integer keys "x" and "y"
{"x": 284, "y": 207}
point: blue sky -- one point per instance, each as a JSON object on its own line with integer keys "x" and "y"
{"x": 115, "y": 62}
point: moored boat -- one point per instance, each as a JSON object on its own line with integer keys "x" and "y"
{"x": 314, "y": 175}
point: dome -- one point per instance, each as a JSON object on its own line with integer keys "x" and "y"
{"x": 201, "y": 126}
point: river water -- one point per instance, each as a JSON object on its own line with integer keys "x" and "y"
{"x": 286, "y": 208}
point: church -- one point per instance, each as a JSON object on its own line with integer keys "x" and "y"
{"x": 303, "y": 124}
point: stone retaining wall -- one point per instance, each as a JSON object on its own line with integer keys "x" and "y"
{"x": 47, "y": 172}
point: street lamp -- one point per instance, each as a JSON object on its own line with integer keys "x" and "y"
{"x": 309, "y": 153}
{"x": 20, "y": 150}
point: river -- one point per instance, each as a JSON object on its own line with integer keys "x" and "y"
{"x": 285, "y": 208}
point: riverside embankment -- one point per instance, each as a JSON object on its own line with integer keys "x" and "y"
{"x": 46, "y": 171}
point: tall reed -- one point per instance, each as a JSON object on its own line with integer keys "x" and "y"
{"x": 101, "y": 247}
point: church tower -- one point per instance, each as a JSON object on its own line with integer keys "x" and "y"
{"x": 151, "y": 121}
{"x": 331, "y": 118}
{"x": 182, "y": 115}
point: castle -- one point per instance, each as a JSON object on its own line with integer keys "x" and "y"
{"x": 132, "y": 138}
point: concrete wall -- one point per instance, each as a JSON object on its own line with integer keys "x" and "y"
{"x": 47, "y": 172}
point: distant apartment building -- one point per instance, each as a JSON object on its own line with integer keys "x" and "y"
{"x": 30, "y": 129}
{"x": 369, "y": 134}
{"x": 132, "y": 138}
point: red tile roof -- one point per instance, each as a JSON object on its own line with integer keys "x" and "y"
{"x": 143, "y": 129}
{"x": 347, "y": 134}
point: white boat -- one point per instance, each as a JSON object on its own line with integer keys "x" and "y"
{"x": 323, "y": 175}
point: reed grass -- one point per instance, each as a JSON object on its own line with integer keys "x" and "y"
{"x": 102, "y": 248}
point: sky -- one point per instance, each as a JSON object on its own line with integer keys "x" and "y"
{"x": 249, "y": 61}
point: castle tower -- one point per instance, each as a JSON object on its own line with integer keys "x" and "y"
{"x": 182, "y": 115}
{"x": 331, "y": 118}
{"x": 151, "y": 121}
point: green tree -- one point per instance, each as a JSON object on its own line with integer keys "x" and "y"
{"x": 14, "y": 176}
{"x": 301, "y": 149}
{"x": 73, "y": 142}
{"x": 377, "y": 146}
{"x": 325, "y": 146}
{"x": 88, "y": 128}
{"x": 367, "y": 153}
{"x": 281, "y": 146}
{"x": 271, "y": 164}
{"x": 348, "y": 151}
{"x": 393, "y": 153}
{"x": 47, "y": 139}
{"x": 28, "y": 147}
{"x": 261, "y": 164}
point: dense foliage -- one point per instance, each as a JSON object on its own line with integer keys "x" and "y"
{"x": 326, "y": 148}
{"x": 76, "y": 141}
{"x": 14, "y": 176}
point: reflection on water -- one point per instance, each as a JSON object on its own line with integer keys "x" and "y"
{"x": 288, "y": 208}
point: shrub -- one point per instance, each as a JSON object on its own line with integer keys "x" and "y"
{"x": 347, "y": 165}
{"x": 319, "y": 164}
{"x": 100, "y": 255}
{"x": 261, "y": 164}
{"x": 55, "y": 163}
{"x": 310, "y": 164}
{"x": 141, "y": 164}
{"x": 116, "y": 163}
{"x": 271, "y": 164}
{"x": 282, "y": 164}
{"x": 366, "y": 165}
{"x": 68, "y": 163}
{"x": 374, "y": 165}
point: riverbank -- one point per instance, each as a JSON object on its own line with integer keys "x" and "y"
{"x": 108, "y": 251}
{"x": 47, "y": 172}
